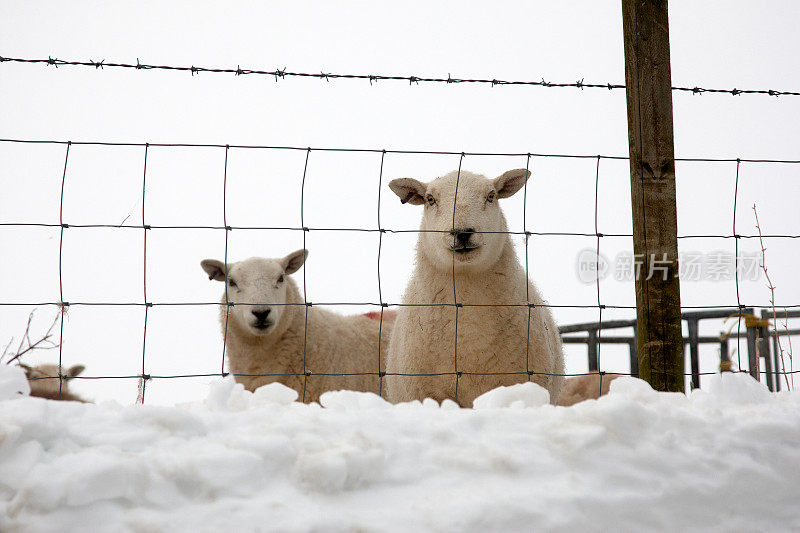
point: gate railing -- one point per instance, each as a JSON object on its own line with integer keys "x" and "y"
{"x": 761, "y": 353}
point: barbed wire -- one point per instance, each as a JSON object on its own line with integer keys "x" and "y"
{"x": 279, "y": 74}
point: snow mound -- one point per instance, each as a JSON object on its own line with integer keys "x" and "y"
{"x": 633, "y": 389}
{"x": 721, "y": 459}
{"x": 227, "y": 395}
{"x": 731, "y": 388}
{"x": 515, "y": 396}
{"x": 275, "y": 394}
{"x": 349, "y": 400}
{"x": 13, "y": 382}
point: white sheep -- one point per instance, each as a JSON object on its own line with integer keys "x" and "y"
{"x": 462, "y": 234}
{"x": 588, "y": 387}
{"x": 266, "y": 332}
{"x": 45, "y": 383}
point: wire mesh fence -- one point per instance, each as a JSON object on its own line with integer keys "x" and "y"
{"x": 66, "y": 224}
{"x": 147, "y": 303}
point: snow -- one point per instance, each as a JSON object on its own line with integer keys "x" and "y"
{"x": 722, "y": 459}
{"x": 13, "y": 383}
{"x": 515, "y": 397}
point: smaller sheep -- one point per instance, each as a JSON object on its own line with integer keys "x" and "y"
{"x": 265, "y": 332}
{"x": 45, "y": 383}
{"x": 588, "y": 387}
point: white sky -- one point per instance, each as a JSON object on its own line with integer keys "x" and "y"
{"x": 714, "y": 44}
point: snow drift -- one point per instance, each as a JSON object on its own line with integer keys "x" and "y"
{"x": 726, "y": 458}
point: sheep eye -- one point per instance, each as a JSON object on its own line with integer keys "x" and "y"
{"x": 232, "y": 284}
{"x": 430, "y": 199}
{"x": 280, "y": 278}
{"x": 490, "y": 197}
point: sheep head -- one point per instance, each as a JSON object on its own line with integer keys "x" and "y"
{"x": 38, "y": 377}
{"x": 461, "y": 228}
{"x": 258, "y": 288}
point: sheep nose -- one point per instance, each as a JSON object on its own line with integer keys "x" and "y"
{"x": 463, "y": 235}
{"x": 261, "y": 316}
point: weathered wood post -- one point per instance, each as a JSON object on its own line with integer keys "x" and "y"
{"x": 648, "y": 85}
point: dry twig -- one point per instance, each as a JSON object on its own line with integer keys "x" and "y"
{"x": 790, "y": 352}
{"x": 44, "y": 342}
{"x": 772, "y": 303}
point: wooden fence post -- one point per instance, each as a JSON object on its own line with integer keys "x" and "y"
{"x": 652, "y": 161}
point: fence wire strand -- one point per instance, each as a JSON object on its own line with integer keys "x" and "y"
{"x": 597, "y": 272}
{"x": 455, "y": 295}
{"x": 62, "y": 304}
{"x": 142, "y": 392}
{"x": 380, "y": 291}
{"x": 736, "y": 259}
{"x": 527, "y": 267}
{"x": 305, "y": 286}
{"x": 227, "y": 229}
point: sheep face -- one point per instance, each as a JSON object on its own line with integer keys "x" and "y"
{"x": 255, "y": 286}
{"x": 462, "y": 228}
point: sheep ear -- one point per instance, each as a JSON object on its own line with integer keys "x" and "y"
{"x": 292, "y": 262}
{"x": 510, "y": 182}
{"x": 215, "y": 269}
{"x": 75, "y": 370}
{"x": 409, "y": 190}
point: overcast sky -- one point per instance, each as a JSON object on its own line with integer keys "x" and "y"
{"x": 713, "y": 44}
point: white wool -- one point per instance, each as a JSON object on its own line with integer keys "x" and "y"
{"x": 463, "y": 235}
{"x": 269, "y": 330}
